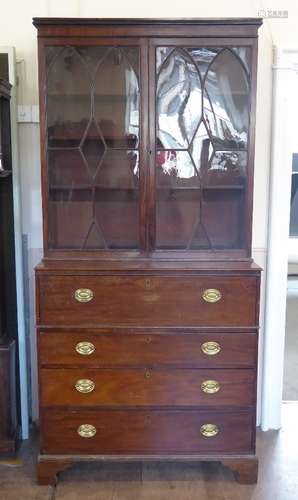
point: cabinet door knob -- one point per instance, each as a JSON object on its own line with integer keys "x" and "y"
{"x": 211, "y": 295}
{"x": 85, "y": 385}
{"x": 86, "y": 430}
{"x": 211, "y": 348}
{"x": 209, "y": 430}
{"x": 83, "y": 295}
{"x": 210, "y": 386}
{"x": 85, "y": 348}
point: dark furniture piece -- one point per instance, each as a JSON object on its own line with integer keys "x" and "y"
{"x": 8, "y": 327}
{"x": 147, "y": 296}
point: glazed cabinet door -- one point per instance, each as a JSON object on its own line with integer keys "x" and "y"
{"x": 95, "y": 108}
{"x": 200, "y": 135}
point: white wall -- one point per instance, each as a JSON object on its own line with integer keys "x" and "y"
{"x": 16, "y": 30}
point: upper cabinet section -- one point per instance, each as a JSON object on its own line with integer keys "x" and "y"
{"x": 148, "y": 136}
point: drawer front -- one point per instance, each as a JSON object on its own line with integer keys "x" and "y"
{"x": 147, "y": 387}
{"x": 201, "y": 350}
{"x": 113, "y": 431}
{"x": 148, "y": 301}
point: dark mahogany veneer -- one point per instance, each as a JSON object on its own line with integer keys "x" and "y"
{"x": 147, "y": 298}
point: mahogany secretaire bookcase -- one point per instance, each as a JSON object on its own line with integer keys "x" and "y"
{"x": 147, "y": 296}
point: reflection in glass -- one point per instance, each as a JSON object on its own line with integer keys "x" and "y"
{"x": 177, "y": 213}
{"x": 119, "y": 169}
{"x": 201, "y": 149}
{"x": 116, "y": 100}
{"x": 199, "y": 238}
{"x": 93, "y": 148}
{"x": 116, "y": 212}
{"x": 94, "y": 238}
{"x": 201, "y": 156}
{"x": 222, "y": 216}
{"x": 227, "y": 167}
{"x": 50, "y": 54}
{"x": 161, "y": 54}
{"x": 226, "y": 95}
{"x": 92, "y": 57}
{"x": 244, "y": 53}
{"x": 70, "y": 216}
{"x": 68, "y": 99}
{"x": 175, "y": 168}
{"x": 67, "y": 168}
{"x": 179, "y": 101}
{"x": 203, "y": 56}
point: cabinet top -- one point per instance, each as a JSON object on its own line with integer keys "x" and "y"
{"x": 80, "y": 21}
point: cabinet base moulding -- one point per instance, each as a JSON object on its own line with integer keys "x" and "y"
{"x": 244, "y": 467}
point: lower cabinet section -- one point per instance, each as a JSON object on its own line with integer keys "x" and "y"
{"x": 147, "y": 432}
{"x": 147, "y": 367}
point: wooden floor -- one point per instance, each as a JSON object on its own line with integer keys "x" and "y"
{"x": 278, "y": 475}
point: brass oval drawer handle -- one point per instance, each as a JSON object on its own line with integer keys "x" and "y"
{"x": 85, "y": 385}
{"x": 83, "y": 295}
{"x": 85, "y": 348}
{"x": 209, "y": 430}
{"x": 211, "y": 295}
{"x": 210, "y": 386}
{"x": 211, "y": 348}
{"x": 86, "y": 430}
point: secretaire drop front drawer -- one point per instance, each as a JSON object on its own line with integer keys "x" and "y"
{"x": 148, "y": 301}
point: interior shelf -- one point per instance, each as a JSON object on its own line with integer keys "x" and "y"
{"x": 97, "y": 188}
{"x": 204, "y": 188}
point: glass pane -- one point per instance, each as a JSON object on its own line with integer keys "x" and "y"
{"x": 175, "y": 169}
{"x": 161, "y": 54}
{"x": 177, "y": 214}
{"x": 67, "y": 168}
{"x": 226, "y": 102}
{"x": 119, "y": 170}
{"x": 179, "y": 101}
{"x": 203, "y": 57}
{"x": 116, "y": 212}
{"x": 201, "y": 149}
{"x": 92, "y": 57}
{"x": 201, "y": 161}
{"x": 93, "y": 148}
{"x": 245, "y": 55}
{"x": 200, "y": 239}
{"x": 95, "y": 238}
{"x": 226, "y": 168}
{"x": 222, "y": 216}
{"x": 92, "y": 110}
{"x": 116, "y": 100}
{"x": 68, "y": 99}
{"x": 70, "y": 216}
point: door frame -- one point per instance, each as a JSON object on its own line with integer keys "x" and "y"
{"x": 285, "y": 69}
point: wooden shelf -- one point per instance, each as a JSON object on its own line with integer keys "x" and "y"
{"x": 89, "y": 187}
{"x": 203, "y": 188}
